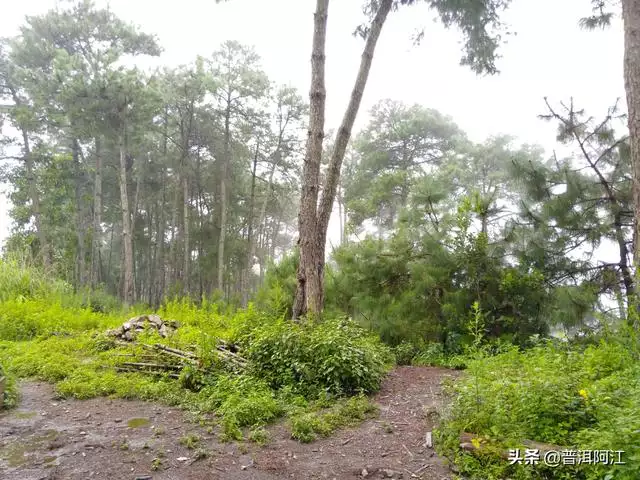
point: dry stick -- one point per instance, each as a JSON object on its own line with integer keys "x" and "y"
{"x": 133, "y": 370}
{"x": 408, "y": 451}
{"x": 175, "y": 351}
{"x": 143, "y": 365}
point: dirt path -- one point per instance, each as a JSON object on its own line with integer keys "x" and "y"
{"x": 115, "y": 439}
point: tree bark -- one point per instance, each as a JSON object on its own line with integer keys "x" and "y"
{"x": 631, "y": 18}
{"x": 248, "y": 268}
{"x": 309, "y": 293}
{"x": 80, "y": 230}
{"x": 173, "y": 277}
{"x": 35, "y": 202}
{"x": 45, "y": 252}
{"x": 96, "y": 262}
{"x": 187, "y": 242}
{"x": 223, "y": 192}
{"x": 127, "y": 281}
{"x": 313, "y": 218}
{"x": 344, "y": 132}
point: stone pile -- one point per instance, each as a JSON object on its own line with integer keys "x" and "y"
{"x": 129, "y": 329}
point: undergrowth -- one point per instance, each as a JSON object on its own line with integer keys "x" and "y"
{"x": 9, "y": 397}
{"x": 574, "y": 397}
{"x": 293, "y": 369}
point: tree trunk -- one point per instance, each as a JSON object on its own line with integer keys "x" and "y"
{"x": 313, "y": 220}
{"x": 45, "y": 252}
{"x": 631, "y": 17}
{"x": 78, "y": 174}
{"x": 173, "y": 260}
{"x": 160, "y": 271}
{"x": 187, "y": 248}
{"x": 339, "y": 199}
{"x": 96, "y": 261}
{"x": 127, "y": 281}
{"x": 246, "y": 275}
{"x": 35, "y": 202}
{"x": 309, "y": 277}
{"x": 223, "y": 192}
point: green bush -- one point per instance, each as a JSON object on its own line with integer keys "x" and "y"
{"x": 10, "y": 397}
{"x": 575, "y": 397}
{"x": 431, "y": 355}
{"x": 405, "y": 352}
{"x": 336, "y": 356}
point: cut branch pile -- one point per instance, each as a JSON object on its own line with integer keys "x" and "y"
{"x": 163, "y": 360}
{"x": 168, "y": 361}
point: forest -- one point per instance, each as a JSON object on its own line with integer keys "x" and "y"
{"x": 169, "y": 245}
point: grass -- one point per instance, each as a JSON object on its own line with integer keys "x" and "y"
{"x": 577, "y": 397}
{"x": 48, "y": 333}
{"x": 307, "y": 426}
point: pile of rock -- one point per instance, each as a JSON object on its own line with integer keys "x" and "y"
{"x": 129, "y": 329}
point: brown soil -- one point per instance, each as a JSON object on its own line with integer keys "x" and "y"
{"x": 46, "y": 438}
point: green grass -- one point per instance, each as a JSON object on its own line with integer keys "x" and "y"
{"x": 580, "y": 398}
{"x": 47, "y": 333}
{"x": 307, "y": 426}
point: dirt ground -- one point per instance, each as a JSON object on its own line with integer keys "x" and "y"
{"x": 46, "y": 438}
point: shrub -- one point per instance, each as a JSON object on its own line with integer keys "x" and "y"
{"x": 579, "y": 398}
{"x": 336, "y": 356}
{"x": 10, "y": 397}
{"x": 431, "y": 355}
{"x": 404, "y": 353}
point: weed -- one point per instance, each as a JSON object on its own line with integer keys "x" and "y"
{"x": 259, "y": 435}
{"x": 200, "y": 454}
{"x": 308, "y": 426}
{"x": 191, "y": 441}
{"x": 156, "y": 464}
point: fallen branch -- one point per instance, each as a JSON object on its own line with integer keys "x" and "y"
{"x": 162, "y": 366}
{"x": 151, "y": 372}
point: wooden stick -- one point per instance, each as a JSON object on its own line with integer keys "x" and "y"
{"x": 152, "y": 365}
{"x": 133, "y": 370}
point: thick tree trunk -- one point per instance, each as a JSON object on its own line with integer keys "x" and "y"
{"x": 631, "y": 17}
{"x": 309, "y": 277}
{"x": 127, "y": 241}
{"x": 313, "y": 218}
{"x": 96, "y": 262}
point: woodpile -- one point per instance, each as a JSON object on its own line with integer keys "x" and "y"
{"x": 163, "y": 360}
{"x": 129, "y": 329}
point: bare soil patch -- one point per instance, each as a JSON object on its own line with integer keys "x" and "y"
{"x": 50, "y": 439}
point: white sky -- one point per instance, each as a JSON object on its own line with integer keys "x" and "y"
{"x": 550, "y": 56}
